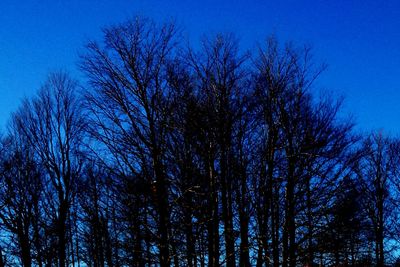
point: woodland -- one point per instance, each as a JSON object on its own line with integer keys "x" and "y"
{"x": 169, "y": 154}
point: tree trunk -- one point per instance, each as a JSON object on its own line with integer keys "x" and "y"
{"x": 213, "y": 218}
{"x": 228, "y": 233}
{"x": 2, "y": 263}
{"x": 23, "y": 240}
{"x": 244, "y": 224}
{"x": 275, "y": 225}
{"x": 160, "y": 195}
{"x": 289, "y": 231}
{"x": 62, "y": 242}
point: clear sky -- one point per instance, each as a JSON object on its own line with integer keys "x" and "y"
{"x": 359, "y": 40}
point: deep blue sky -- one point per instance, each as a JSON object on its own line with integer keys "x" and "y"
{"x": 359, "y": 40}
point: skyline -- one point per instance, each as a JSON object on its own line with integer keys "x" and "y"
{"x": 359, "y": 41}
{"x": 199, "y": 133}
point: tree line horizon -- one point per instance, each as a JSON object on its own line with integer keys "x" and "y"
{"x": 171, "y": 155}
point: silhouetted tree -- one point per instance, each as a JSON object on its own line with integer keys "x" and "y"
{"x": 196, "y": 156}
{"x": 53, "y": 124}
{"x": 20, "y": 197}
{"x": 129, "y": 109}
{"x": 376, "y": 170}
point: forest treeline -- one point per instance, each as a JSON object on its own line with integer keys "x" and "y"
{"x": 177, "y": 155}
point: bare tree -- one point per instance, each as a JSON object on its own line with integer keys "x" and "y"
{"x": 217, "y": 70}
{"x": 129, "y": 110}
{"x": 376, "y": 169}
{"x": 303, "y": 151}
{"x": 202, "y": 156}
{"x": 21, "y": 197}
{"x": 53, "y": 124}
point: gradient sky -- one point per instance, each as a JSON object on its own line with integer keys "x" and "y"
{"x": 359, "y": 40}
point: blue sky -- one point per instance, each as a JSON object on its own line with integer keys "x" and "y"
{"x": 359, "y": 40}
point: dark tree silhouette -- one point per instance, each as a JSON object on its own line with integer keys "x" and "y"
{"x": 53, "y": 124}
{"x": 130, "y": 110}
{"x": 196, "y": 155}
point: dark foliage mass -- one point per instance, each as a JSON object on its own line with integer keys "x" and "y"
{"x": 175, "y": 156}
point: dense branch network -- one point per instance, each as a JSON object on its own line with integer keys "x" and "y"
{"x": 176, "y": 156}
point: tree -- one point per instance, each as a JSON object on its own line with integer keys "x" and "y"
{"x": 218, "y": 70}
{"x": 95, "y": 199}
{"x": 129, "y": 108}
{"x": 21, "y": 196}
{"x": 376, "y": 170}
{"x": 346, "y": 232}
{"x": 193, "y": 157}
{"x": 53, "y": 124}
{"x": 304, "y": 151}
